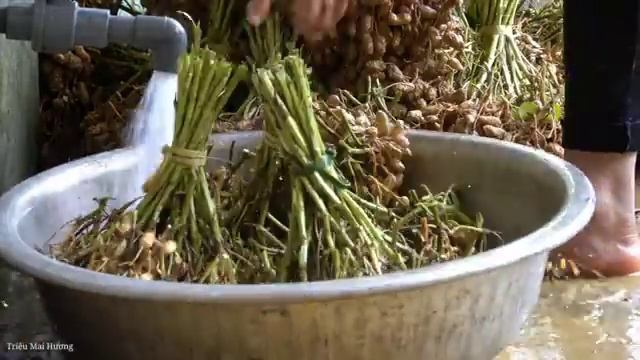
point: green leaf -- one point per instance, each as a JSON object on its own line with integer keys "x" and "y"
{"x": 555, "y": 113}
{"x": 527, "y": 109}
{"x": 558, "y": 112}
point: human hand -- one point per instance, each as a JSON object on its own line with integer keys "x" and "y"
{"x": 311, "y": 18}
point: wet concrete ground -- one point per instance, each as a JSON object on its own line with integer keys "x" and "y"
{"x": 22, "y": 319}
{"x": 582, "y": 320}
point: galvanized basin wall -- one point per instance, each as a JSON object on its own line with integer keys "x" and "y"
{"x": 466, "y": 309}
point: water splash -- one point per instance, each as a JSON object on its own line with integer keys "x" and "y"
{"x": 151, "y": 128}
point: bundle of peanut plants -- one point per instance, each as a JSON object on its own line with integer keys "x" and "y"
{"x": 307, "y": 219}
{"x": 500, "y": 66}
{"x": 174, "y": 232}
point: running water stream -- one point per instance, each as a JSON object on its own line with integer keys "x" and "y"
{"x": 151, "y": 128}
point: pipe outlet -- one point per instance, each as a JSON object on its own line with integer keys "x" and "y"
{"x": 54, "y": 26}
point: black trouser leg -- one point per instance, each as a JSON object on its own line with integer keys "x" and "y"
{"x": 602, "y": 106}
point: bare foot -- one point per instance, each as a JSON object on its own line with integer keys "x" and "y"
{"x": 603, "y": 248}
{"x": 610, "y": 244}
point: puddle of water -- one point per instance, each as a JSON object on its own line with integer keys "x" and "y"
{"x": 583, "y": 320}
{"x": 586, "y": 320}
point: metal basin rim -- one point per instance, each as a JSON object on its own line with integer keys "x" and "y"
{"x": 575, "y": 213}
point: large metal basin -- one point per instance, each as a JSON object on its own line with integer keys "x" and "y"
{"x": 464, "y": 309}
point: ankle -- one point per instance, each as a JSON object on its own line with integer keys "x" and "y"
{"x": 613, "y": 179}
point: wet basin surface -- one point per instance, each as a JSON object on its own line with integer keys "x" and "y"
{"x": 573, "y": 320}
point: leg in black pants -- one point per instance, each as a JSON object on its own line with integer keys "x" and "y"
{"x": 601, "y": 128}
{"x": 603, "y": 75}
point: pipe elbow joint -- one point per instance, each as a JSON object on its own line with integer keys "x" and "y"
{"x": 58, "y": 25}
{"x": 165, "y": 37}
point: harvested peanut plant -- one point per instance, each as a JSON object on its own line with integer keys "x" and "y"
{"x": 305, "y": 221}
{"x": 500, "y": 65}
{"x": 174, "y": 233}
